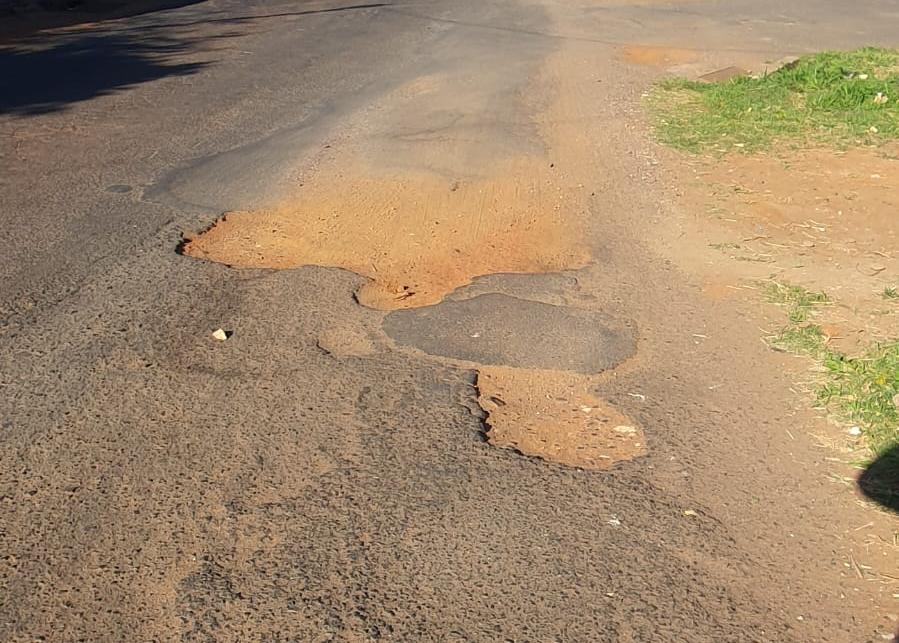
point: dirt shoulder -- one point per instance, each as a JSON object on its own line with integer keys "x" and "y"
{"x": 821, "y": 224}
{"x": 821, "y": 218}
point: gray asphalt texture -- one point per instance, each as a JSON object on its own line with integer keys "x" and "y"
{"x": 156, "y": 485}
{"x": 488, "y": 329}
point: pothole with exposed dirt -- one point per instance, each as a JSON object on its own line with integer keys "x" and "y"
{"x": 537, "y": 365}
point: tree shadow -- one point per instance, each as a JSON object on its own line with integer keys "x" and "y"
{"x": 51, "y": 14}
{"x": 283, "y": 14}
{"x": 40, "y": 79}
{"x": 880, "y": 480}
{"x": 47, "y": 73}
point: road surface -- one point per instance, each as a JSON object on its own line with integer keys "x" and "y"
{"x": 442, "y": 250}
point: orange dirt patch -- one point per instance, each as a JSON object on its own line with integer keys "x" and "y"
{"x": 416, "y": 236}
{"x": 554, "y": 416}
{"x": 657, "y": 56}
{"x": 824, "y": 219}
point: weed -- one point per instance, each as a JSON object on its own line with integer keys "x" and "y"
{"x": 798, "y": 300}
{"x": 802, "y": 340}
{"x": 829, "y": 97}
{"x": 862, "y": 390}
{"x": 865, "y": 390}
{"x": 725, "y": 246}
{"x": 890, "y": 293}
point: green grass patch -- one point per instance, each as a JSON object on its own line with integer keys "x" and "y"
{"x": 865, "y": 390}
{"x": 798, "y": 336}
{"x": 861, "y": 390}
{"x": 808, "y": 340}
{"x": 831, "y": 97}
{"x": 798, "y": 301}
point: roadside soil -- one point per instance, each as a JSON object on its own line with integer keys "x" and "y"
{"x": 824, "y": 219}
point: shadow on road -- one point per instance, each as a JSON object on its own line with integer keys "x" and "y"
{"x": 285, "y": 14}
{"x": 880, "y": 481}
{"x": 50, "y": 14}
{"x": 47, "y": 72}
{"x": 37, "y": 80}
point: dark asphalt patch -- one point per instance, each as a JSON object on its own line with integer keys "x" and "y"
{"x": 501, "y": 330}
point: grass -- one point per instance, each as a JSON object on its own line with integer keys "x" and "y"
{"x": 808, "y": 340}
{"x": 865, "y": 390}
{"x": 799, "y": 301}
{"x": 861, "y": 390}
{"x": 799, "y": 336}
{"x": 890, "y": 293}
{"x": 831, "y": 97}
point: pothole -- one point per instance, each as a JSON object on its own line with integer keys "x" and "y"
{"x": 554, "y": 415}
{"x": 497, "y": 329}
{"x": 416, "y": 236}
{"x": 536, "y": 369}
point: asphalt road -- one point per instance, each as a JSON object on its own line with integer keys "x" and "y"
{"x": 158, "y": 485}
